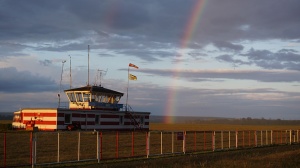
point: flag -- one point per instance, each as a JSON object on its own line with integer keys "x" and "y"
{"x": 134, "y": 66}
{"x": 132, "y": 77}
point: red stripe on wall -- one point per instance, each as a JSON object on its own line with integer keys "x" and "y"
{"x": 41, "y": 114}
{"x": 42, "y": 122}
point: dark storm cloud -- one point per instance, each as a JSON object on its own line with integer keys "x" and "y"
{"x": 13, "y": 81}
{"x": 157, "y": 20}
{"x": 198, "y": 75}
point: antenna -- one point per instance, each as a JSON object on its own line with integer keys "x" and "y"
{"x": 88, "y": 83}
{"x": 99, "y": 76}
{"x": 70, "y": 73}
{"x": 62, "y": 71}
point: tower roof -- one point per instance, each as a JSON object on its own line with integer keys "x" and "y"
{"x": 96, "y": 89}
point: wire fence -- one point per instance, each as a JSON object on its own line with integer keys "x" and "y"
{"x": 40, "y": 148}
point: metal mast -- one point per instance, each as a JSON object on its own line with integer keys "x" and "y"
{"x": 70, "y": 73}
{"x": 88, "y": 83}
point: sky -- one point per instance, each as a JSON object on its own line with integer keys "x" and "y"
{"x": 206, "y": 58}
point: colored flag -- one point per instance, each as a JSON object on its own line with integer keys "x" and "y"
{"x": 134, "y": 66}
{"x": 132, "y": 77}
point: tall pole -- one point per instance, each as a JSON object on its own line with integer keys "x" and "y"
{"x": 88, "y": 83}
{"x": 70, "y": 73}
{"x": 62, "y": 70}
{"x": 127, "y": 91}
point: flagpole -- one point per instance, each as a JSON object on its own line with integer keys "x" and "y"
{"x": 127, "y": 90}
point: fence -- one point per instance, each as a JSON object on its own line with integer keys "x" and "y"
{"x": 39, "y": 148}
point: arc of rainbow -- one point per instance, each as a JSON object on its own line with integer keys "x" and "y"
{"x": 187, "y": 36}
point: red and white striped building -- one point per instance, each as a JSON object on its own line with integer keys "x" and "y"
{"x": 90, "y": 108}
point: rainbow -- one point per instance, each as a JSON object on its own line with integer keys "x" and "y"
{"x": 186, "y": 38}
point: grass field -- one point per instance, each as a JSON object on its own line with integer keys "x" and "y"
{"x": 47, "y": 146}
{"x": 218, "y": 127}
{"x": 273, "y": 157}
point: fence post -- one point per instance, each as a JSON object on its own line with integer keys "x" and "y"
{"x": 132, "y": 143}
{"x": 195, "y": 143}
{"x": 147, "y": 144}
{"x": 78, "y": 148}
{"x": 204, "y": 142}
{"x": 4, "y": 146}
{"x": 271, "y": 137}
{"x": 35, "y": 139}
{"x": 261, "y": 137}
{"x": 267, "y": 137}
{"x": 236, "y": 139}
{"x": 117, "y": 144}
{"x": 255, "y": 138}
{"x": 183, "y": 142}
{"x": 101, "y": 145}
{"x": 249, "y": 138}
{"x": 286, "y": 131}
{"x": 222, "y": 146}
{"x": 57, "y": 147}
{"x": 98, "y": 159}
{"x": 228, "y": 139}
{"x": 290, "y": 136}
{"x": 280, "y": 137}
{"x": 213, "y": 140}
{"x": 172, "y": 142}
{"x": 298, "y": 136}
{"x": 243, "y": 139}
{"x": 161, "y": 143}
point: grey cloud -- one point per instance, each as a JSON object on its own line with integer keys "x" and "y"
{"x": 230, "y": 59}
{"x": 223, "y": 45}
{"x": 45, "y": 62}
{"x": 263, "y": 76}
{"x": 163, "y": 21}
{"x": 237, "y": 103}
{"x": 13, "y": 81}
{"x": 283, "y": 59}
{"x": 11, "y": 49}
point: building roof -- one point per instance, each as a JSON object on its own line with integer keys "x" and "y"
{"x": 96, "y": 89}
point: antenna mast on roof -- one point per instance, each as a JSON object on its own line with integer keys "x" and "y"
{"x": 61, "y": 76}
{"x": 88, "y": 82}
{"x": 70, "y": 73}
{"x": 99, "y": 76}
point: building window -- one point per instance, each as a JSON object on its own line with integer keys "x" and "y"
{"x": 86, "y": 97}
{"x": 79, "y": 97}
{"x": 97, "y": 119}
{"x": 142, "y": 120}
{"x": 71, "y": 97}
{"x": 121, "y": 120}
{"x": 67, "y": 118}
